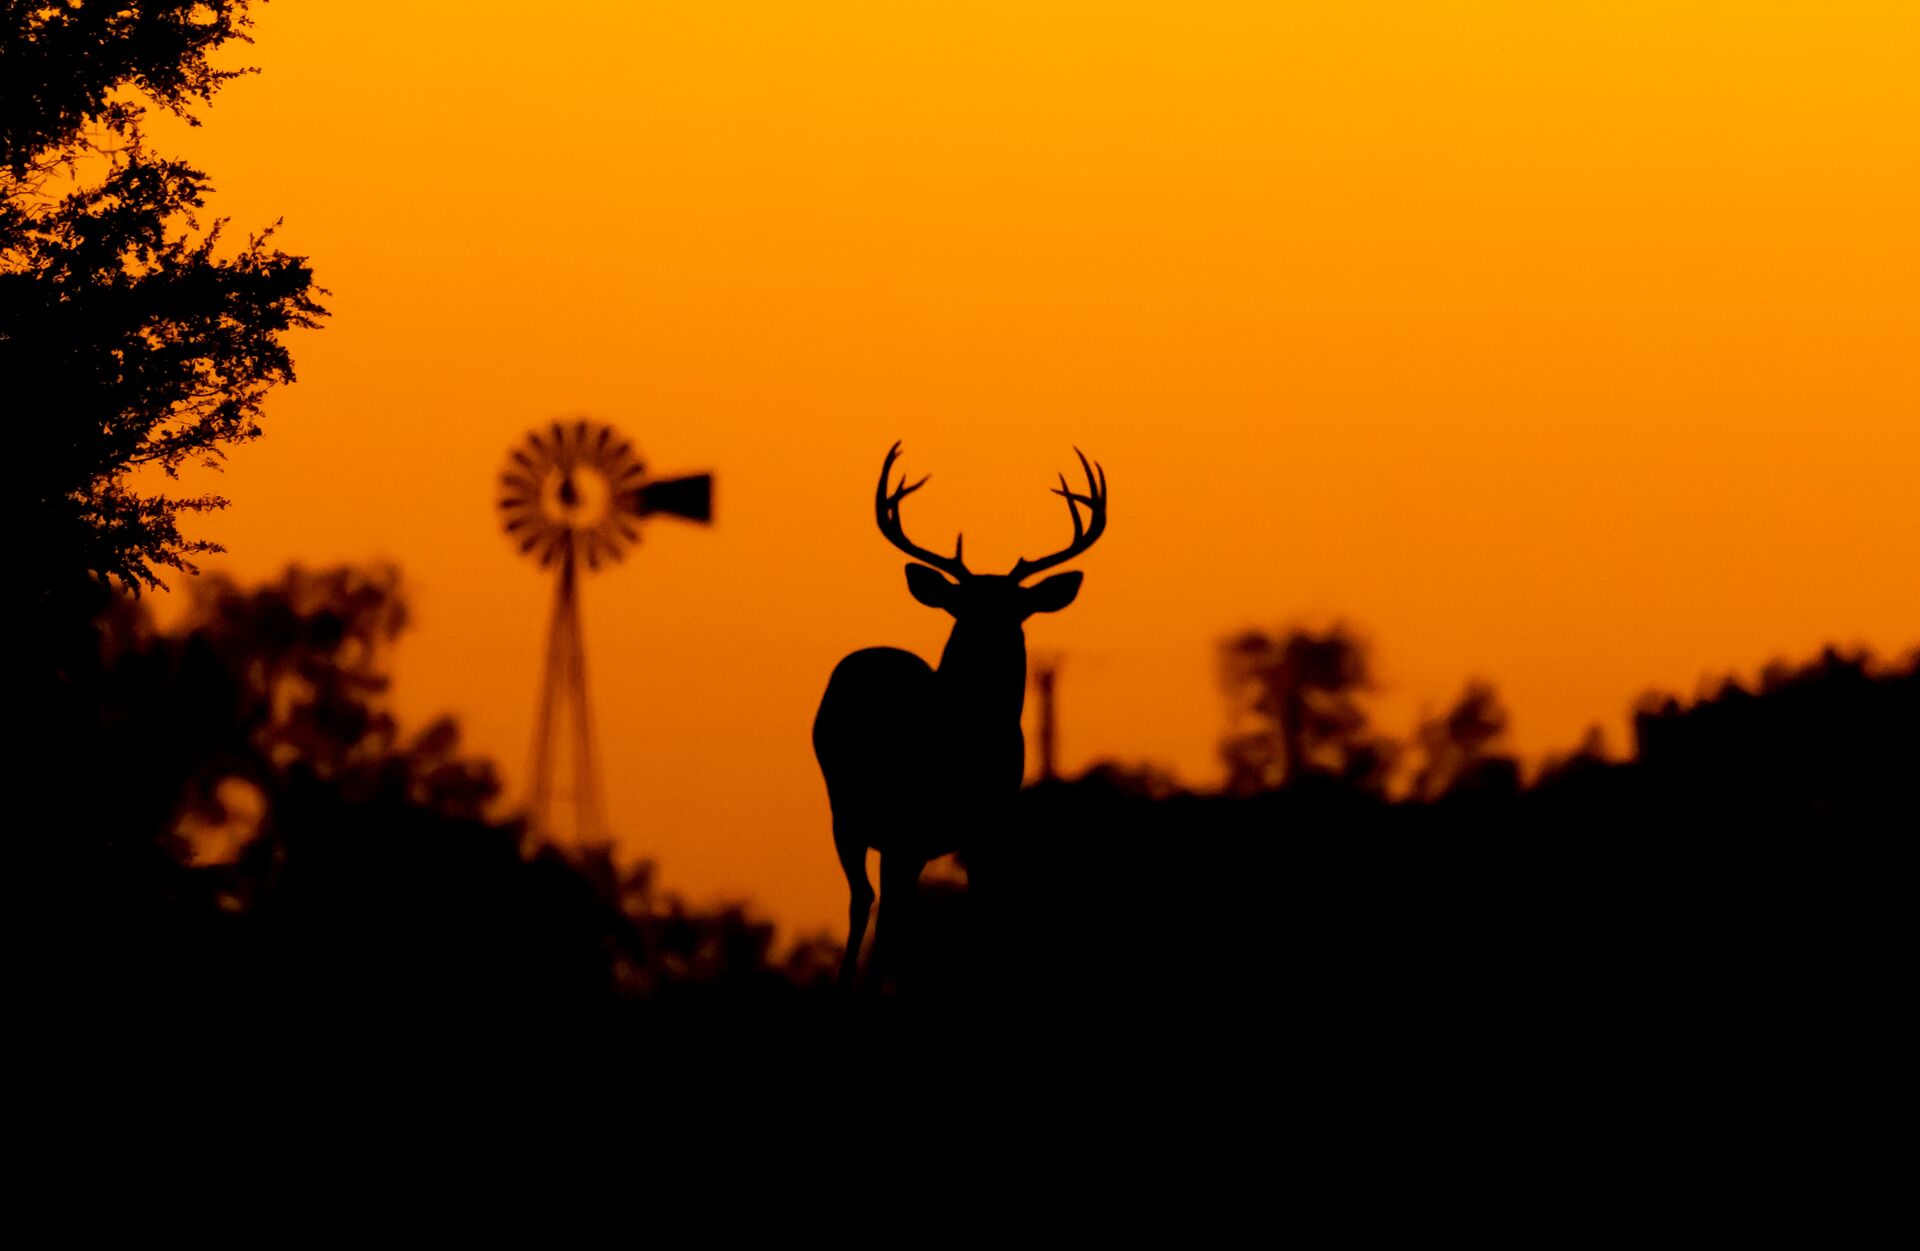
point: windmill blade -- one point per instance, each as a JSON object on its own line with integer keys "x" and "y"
{"x": 690, "y": 497}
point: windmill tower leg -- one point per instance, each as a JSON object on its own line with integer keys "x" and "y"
{"x": 565, "y": 807}
{"x": 590, "y": 829}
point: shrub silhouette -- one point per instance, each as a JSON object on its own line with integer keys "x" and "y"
{"x": 249, "y": 830}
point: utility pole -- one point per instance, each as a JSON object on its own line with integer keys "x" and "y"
{"x": 1046, "y": 680}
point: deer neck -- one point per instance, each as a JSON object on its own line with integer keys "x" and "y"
{"x": 983, "y": 673}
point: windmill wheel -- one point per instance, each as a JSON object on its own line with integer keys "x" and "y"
{"x": 572, "y": 490}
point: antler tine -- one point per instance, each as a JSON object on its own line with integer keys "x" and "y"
{"x": 1073, "y": 506}
{"x": 1099, "y": 488}
{"x": 886, "y": 510}
{"x": 1084, "y": 534}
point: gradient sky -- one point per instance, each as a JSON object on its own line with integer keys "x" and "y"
{"x": 1570, "y": 346}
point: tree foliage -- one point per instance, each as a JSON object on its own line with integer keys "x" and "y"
{"x": 1457, "y": 749}
{"x": 1296, "y": 711}
{"x": 244, "y": 822}
{"x": 133, "y": 336}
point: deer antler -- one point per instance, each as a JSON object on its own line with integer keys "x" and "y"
{"x": 1083, "y": 535}
{"x": 886, "y": 510}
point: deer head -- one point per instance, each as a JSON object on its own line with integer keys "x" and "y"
{"x": 992, "y": 599}
{"x": 984, "y": 667}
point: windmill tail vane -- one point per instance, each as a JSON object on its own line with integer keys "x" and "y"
{"x": 571, "y": 492}
{"x": 690, "y": 497}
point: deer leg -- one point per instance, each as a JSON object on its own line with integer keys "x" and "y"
{"x": 853, "y": 859}
{"x": 899, "y": 893}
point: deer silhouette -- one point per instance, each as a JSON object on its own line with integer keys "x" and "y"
{"x": 916, "y": 758}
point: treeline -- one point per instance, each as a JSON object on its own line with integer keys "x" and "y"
{"x": 1745, "y": 863}
{"x": 228, "y": 820}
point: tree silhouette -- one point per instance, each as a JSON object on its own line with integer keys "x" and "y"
{"x": 131, "y": 337}
{"x": 245, "y": 826}
{"x": 1456, "y": 748}
{"x": 1298, "y": 689}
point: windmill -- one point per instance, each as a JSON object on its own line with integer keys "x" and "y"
{"x": 577, "y": 492}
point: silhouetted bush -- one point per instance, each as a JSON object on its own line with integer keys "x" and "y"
{"x": 243, "y": 829}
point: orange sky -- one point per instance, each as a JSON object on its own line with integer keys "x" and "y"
{"x": 1570, "y": 346}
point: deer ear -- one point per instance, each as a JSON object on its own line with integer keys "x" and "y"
{"x": 1053, "y": 594}
{"x": 929, "y": 587}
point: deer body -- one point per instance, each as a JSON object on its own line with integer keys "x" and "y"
{"x": 892, "y": 732}
{"x": 917, "y": 759}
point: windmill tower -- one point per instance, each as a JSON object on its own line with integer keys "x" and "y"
{"x": 576, "y": 493}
